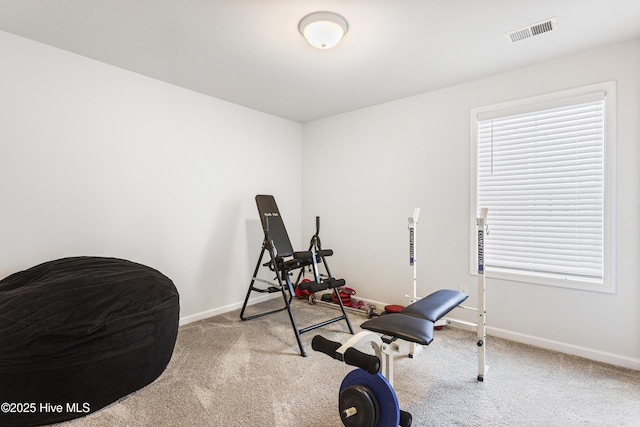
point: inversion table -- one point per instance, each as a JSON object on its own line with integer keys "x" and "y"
{"x": 283, "y": 261}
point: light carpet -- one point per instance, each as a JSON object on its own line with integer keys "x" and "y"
{"x": 228, "y": 372}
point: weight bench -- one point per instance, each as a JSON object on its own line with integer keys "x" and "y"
{"x": 283, "y": 261}
{"x": 366, "y": 394}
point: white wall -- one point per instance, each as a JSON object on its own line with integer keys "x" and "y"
{"x": 376, "y": 164}
{"x": 96, "y": 160}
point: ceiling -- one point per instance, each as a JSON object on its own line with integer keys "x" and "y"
{"x": 250, "y": 52}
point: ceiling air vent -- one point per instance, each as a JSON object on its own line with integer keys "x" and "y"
{"x": 532, "y": 30}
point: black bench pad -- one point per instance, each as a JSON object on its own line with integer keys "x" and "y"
{"x": 415, "y": 322}
{"x": 434, "y": 306}
{"x": 408, "y": 328}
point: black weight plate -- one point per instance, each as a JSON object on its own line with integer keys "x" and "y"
{"x": 361, "y": 400}
{"x": 383, "y": 394}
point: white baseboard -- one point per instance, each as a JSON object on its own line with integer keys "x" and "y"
{"x": 587, "y": 353}
{"x": 221, "y": 310}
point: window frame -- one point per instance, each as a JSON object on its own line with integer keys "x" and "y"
{"x": 608, "y": 283}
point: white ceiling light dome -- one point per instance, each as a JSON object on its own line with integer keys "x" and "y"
{"x": 323, "y": 30}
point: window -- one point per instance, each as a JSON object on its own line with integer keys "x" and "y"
{"x": 544, "y": 169}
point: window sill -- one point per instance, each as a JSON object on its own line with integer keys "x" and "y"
{"x": 550, "y": 280}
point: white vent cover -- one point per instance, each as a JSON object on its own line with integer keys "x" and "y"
{"x": 532, "y": 30}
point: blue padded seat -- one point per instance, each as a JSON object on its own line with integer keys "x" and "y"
{"x": 415, "y": 323}
{"x": 85, "y": 331}
{"x": 435, "y": 305}
{"x": 408, "y": 328}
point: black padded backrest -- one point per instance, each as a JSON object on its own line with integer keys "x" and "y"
{"x": 273, "y": 224}
{"x": 434, "y": 306}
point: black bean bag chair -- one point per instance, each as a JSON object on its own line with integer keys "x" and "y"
{"x": 77, "y": 334}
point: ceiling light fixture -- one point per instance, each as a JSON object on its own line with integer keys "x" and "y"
{"x": 323, "y": 30}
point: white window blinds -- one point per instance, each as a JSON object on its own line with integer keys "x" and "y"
{"x": 540, "y": 171}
